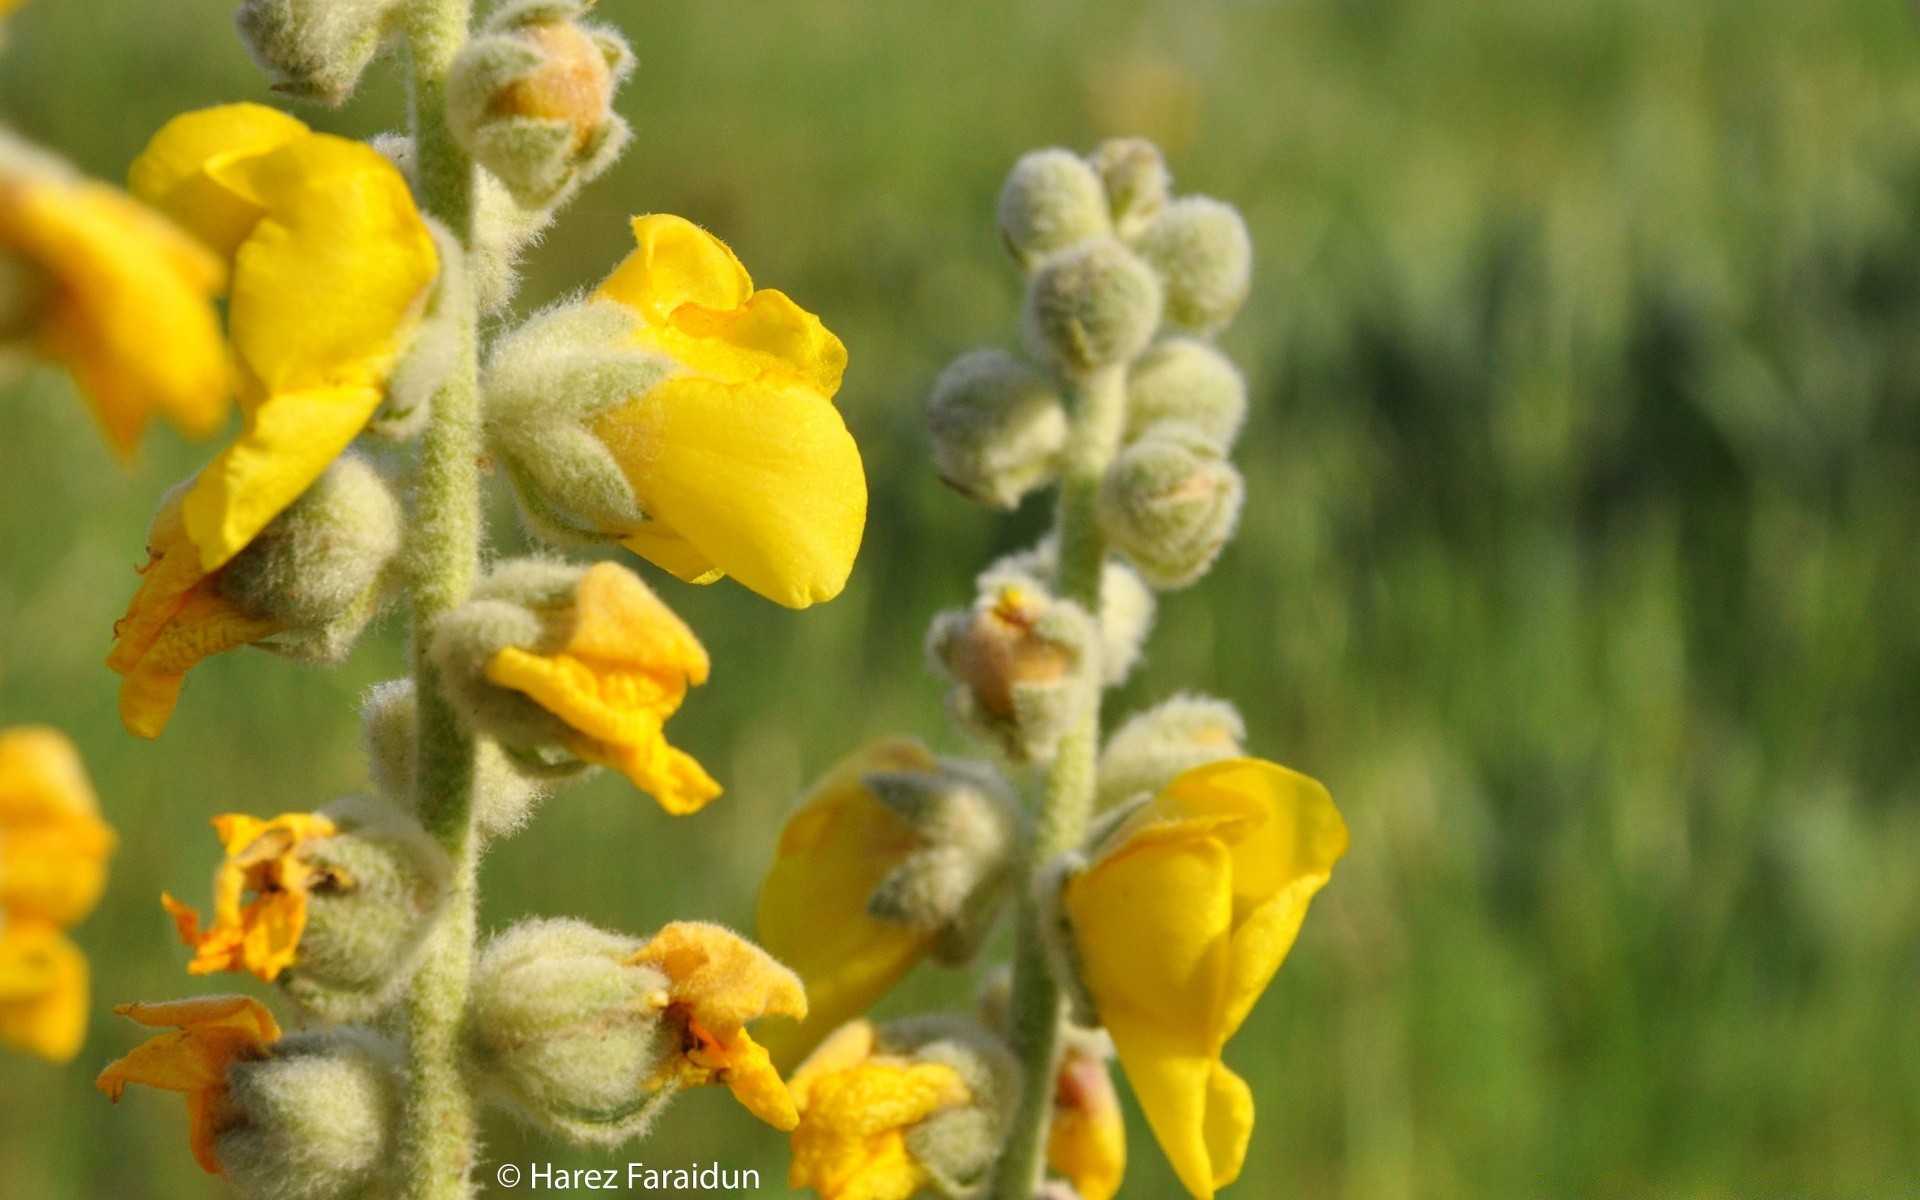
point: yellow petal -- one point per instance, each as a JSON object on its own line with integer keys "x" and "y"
{"x": 43, "y": 991}
{"x": 768, "y": 338}
{"x": 848, "y": 1046}
{"x": 1229, "y": 1123}
{"x": 677, "y": 263}
{"x": 53, "y": 844}
{"x": 177, "y": 173}
{"x": 812, "y": 912}
{"x": 1087, "y": 1141}
{"x": 723, "y": 979}
{"x": 750, "y": 1075}
{"x": 762, "y": 478}
{"x": 215, "y": 1032}
{"x": 618, "y": 619}
{"x": 204, "y": 624}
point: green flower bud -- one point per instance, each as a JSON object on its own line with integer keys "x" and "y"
{"x": 1137, "y": 182}
{"x": 1145, "y": 754}
{"x": 997, "y": 428}
{"x": 317, "y": 1118}
{"x": 386, "y": 879}
{"x": 504, "y": 795}
{"x": 315, "y": 49}
{"x": 1091, "y": 306}
{"x": 971, "y": 833}
{"x": 1169, "y": 503}
{"x": 1201, "y": 249}
{"x": 531, "y": 99}
{"x": 958, "y": 1145}
{"x": 567, "y": 1033}
{"x": 320, "y": 568}
{"x": 1186, "y": 380}
{"x": 1019, "y": 659}
{"x": 1052, "y": 200}
{"x": 1126, "y": 604}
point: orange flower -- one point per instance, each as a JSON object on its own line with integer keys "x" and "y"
{"x": 719, "y": 982}
{"x": 264, "y": 860}
{"x": 214, "y": 1033}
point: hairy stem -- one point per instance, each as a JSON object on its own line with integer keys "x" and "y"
{"x": 439, "y": 1136}
{"x": 1099, "y": 418}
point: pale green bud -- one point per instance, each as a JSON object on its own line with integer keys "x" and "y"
{"x": 386, "y": 879}
{"x": 1052, "y": 200}
{"x": 997, "y": 428}
{"x": 1145, "y": 754}
{"x": 321, "y": 568}
{"x": 971, "y": 832}
{"x": 504, "y": 795}
{"x": 544, "y": 383}
{"x": 1137, "y": 182}
{"x": 1093, "y": 305}
{"x": 531, "y": 99}
{"x": 958, "y": 1145}
{"x": 567, "y": 1032}
{"x": 1020, "y": 660}
{"x": 318, "y": 1118}
{"x": 1187, "y": 380}
{"x": 1169, "y": 503}
{"x": 1126, "y": 604}
{"x": 315, "y": 49}
{"x": 1202, "y": 251}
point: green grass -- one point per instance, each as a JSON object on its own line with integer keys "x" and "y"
{"x": 1581, "y": 556}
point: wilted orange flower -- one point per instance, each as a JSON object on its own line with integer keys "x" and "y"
{"x": 214, "y": 1033}
{"x": 264, "y": 862}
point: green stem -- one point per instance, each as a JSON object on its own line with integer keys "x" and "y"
{"x": 439, "y": 1135}
{"x": 1099, "y": 418}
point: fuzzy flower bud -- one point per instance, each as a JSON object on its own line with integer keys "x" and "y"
{"x": 531, "y": 98}
{"x": 315, "y": 49}
{"x": 316, "y": 1119}
{"x": 1126, "y": 604}
{"x": 1189, "y": 381}
{"x": 566, "y": 665}
{"x": 1172, "y": 737}
{"x": 1093, "y": 305}
{"x": 1052, "y": 200}
{"x": 1169, "y": 503}
{"x": 1019, "y": 659}
{"x": 1136, "y": 180}
{"x": 504, "y": 789}
{"x": 997, "y": 428}
{"x": 568, "y": 1030}
{"x": 1201, "y": 249}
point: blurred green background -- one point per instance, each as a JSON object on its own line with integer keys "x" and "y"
{"x": 1581, "y": 556}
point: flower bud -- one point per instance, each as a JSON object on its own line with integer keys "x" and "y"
{"x": 504, "y": 791}
{"x": 1093, "y": 305}
{"x": 1201, "y": 250}
{"x": 1144, "y": 755}
{"x": 315, "y": 49}
{"x": 566, "y": 665}
{"x": 531, "y": 99}
{"x": 957, "y": 883}
{"x": 958, "y": 1146}
{"x": 317, "y": 1118}
{"x": 1052, "y": 200}
{"x": 997, "y": 428}
{"x": 319, "y": 569}
{"x": 1126, "y": 604}
{"x": 383, "y": 879}
{"x": 1169, "y": 503}
{"x": 568, "y": 1030}
{"x": 1189, "y": 381}
{"x": 1137, "y": 182}
{"x": 1019, "y": 659}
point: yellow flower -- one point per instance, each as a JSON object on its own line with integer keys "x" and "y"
{"x": 43, "y": 990}
{"x": 117, "y": 295}
{"x": 622, "y": 669}
{"x": 1181, "y": 923}
{"x": 214, "y": 1033}
{"x": 264, "y": 862}
{"x": 856, "y": 1108}
{"x": 53, "y": 844}
{"x": 177, "y": 618}
{"x": 742, "y": 462}
{"x": 835, "y": 850}
{"x": 331, "y": 265}
{"x": 719, "y": 981}
{"x": 1087, "y": 1141}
